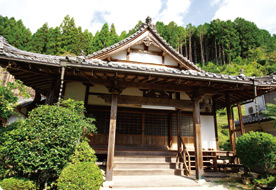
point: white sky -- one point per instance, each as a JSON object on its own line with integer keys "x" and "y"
{"x": 125, "y": 14}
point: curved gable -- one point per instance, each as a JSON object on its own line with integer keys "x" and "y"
{"x": 145, "y": 46}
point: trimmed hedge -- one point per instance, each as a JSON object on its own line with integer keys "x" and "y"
{"x": 17, "y": 184}
{"x": 257, "y": 149}
{"x": 80, "y": 176}
{"x": 83, "y": 153}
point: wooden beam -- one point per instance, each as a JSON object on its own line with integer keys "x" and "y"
{"x": 111, "y": 138}
{"x": 241, "y": 119}
{"x": 87, "y": 90}
{"x": 138, "y": 100}
{"x": 127, "y": 55}
{"x": 231, "y": 125}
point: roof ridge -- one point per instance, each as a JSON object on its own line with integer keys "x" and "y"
{"x": 148, "y": 25}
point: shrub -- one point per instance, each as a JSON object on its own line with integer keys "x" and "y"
{"x": 83, "y": 153}
{"x": 40, "y": 147}
{"x": 257, "y": 149}
{"x": 81, "y": 175}
{"x": 17, "y": 184}
{"x": 270, "y": 180}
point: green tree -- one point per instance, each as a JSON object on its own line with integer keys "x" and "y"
{"x": 248, "y": 35}
{"x": 8, "y": 100}
{"x": 15, "y": 32}
{"x": 257, "y": 149}
{"x": 69, "y": 35}
{"x": 39, "y": 40}
{"x": 104, "y": 37}
{"x": 114, "y": 38}
{"x": 40, "y": 146}
{"x": 53, "y": 46}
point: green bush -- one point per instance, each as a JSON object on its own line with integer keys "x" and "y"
{"x": 17, "y": 184}
{"x": 257, "y": 149}
{"x": 83, "y": 153}
{"x": 40, "y": 147}
{"x": 270, "y": 180}
{"x": 81, "y": 175}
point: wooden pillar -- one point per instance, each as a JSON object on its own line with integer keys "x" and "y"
{"x": 215, "y": 122}
{"x": 170, "y": 130}
{"x": 143, "y": 128}
{"x": 179, "y": 126}
{"x": 231, "y": 125}
{"x": 241, "y": 119}
{"x": 197, "y": 139}
{"x": 111, "y": 139}
{"x": 51, "y": 95}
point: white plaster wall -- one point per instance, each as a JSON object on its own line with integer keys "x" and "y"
{"x": 132, "y": 92}
{"x": 75, "y": 90}
{"x": 170, "y": 61}
{"x": 121, "y": 55}
{"x": 95, "y": 100}
{"x": 184, "y": 96}
{"x": 138, "y": 46}
{"x": 140, "y": 57}
{"x": 208, "y": 132}
{"x": 154, "y": 48}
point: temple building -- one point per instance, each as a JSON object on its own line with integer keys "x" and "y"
{"x": 148, "y": 100}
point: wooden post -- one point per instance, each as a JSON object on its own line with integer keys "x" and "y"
{"x": 51, "y": 95}
{"x": 143, "y": 128}
{"x": 197, "y": 138}
{"x": 215, "y": 122}
{"x": 231, "y": 126}
{"x": 111, "y": 139}
{"x": 179, "y": 126}
{"x": 241, "y": 119}
{"x": 170, "y": 130}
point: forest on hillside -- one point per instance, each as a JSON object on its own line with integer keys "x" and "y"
{"x": 219, "y": 46}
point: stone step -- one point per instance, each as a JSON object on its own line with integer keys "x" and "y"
{"x": 144, "y": 159}
{"x": 146, "y": 153}
{"x": 145, "y": 165}
{"x": 129, "y": 172}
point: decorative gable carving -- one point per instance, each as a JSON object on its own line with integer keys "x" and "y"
{"x": 147, "y": 41}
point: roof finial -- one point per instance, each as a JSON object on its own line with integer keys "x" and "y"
{"x": 241, "y": 75}
{"x": 148, "y": 20}
{"x": 81, "y": 53}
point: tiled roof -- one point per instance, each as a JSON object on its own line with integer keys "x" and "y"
{"x": 9, "y": 52}
{"x": 12, "y": 52}
{"x": 248, "y": 119}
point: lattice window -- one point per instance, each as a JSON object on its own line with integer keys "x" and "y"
{"x": 187, "y": 126}
{"x": 129, "y": 123}
{"x": 156, "y": 124}
{"x": 102, "y": 121}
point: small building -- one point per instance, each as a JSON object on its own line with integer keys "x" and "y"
{"x": 144, "y": 96}
{"x": 253, "y": 120}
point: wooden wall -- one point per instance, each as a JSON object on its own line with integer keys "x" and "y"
{"x": 102, "y": 139}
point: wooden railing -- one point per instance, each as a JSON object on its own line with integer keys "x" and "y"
{"x": 183, "y": 157}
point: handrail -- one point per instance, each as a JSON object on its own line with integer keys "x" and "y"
{"x": 184, "y": 154}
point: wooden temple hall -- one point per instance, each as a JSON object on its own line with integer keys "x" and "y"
{"x": 155, "y": 110}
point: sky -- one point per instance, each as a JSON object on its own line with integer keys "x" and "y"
{"x": 125, "y": 14}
